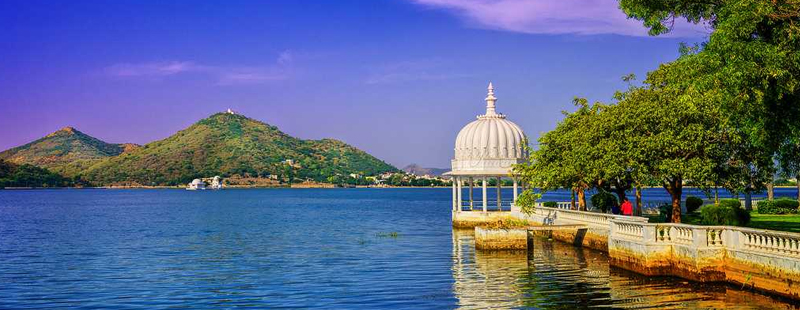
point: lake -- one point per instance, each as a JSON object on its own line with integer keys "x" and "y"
{"x": 299, "y": 248}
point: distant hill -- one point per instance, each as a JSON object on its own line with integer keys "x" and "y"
{"x": 66, "y": 151}
{"x": 418, "y": 170}
{"x": 229, "y": 144}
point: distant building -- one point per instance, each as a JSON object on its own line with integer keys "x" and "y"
{"x": 196, "y": 184}
{"x": 291, "y": 163}
{"x": 216, "y": 183}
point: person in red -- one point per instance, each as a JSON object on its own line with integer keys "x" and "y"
{"x": 626, "y": 207}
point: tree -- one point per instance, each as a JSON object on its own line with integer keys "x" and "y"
{"x": 789, "y": 161}
{"x": 753, "y": 55}
{"x": 677, "y": 130}
{"x": 562, "y": 160}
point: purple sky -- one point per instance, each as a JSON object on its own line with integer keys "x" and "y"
{"x": 396, "y": 78}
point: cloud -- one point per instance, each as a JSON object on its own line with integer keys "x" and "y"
{"x": 408, "y": 71}
{"x": 152, "y": 69}
{"x": 582, "y": 17}
{"x": 224, "y": 75}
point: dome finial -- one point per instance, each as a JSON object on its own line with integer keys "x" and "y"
{"x": 490, "y": 101}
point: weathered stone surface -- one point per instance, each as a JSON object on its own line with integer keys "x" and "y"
{"x": 470, "y": 219}
{"x": 762, "y": 260}
{"x": 500, "y": 239}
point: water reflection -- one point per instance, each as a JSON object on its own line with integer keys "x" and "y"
{"x": 560, "y": 276}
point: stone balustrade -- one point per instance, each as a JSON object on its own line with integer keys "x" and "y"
{"x": 762, "y": 259}
{"x": 598, "y": 224}
{"x": 601, "y": 220}
{"x": 767, "y": 242}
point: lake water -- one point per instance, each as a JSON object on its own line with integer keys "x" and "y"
{"x": 299, "y": 248}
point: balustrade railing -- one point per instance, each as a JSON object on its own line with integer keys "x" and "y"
{"x": 728, "y": 237}
{"x": 770, "y": 242}
{"x": 629, "y": 230}
{"x": 682, "y": 235}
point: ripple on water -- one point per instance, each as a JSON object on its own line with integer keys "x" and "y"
{"x": 328, "y": 248}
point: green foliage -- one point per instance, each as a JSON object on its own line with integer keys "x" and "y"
{"x": 730, "y": 203}
{"x": 67, "y": 151}
{"x": 12, "y": 175}
{"x": 750, "y": 67}
{"x": 550, "y": 204}
{"x": 664, "y": 213}
{"x": 728, "y": 212}
{"x": 562, "y": 158}
{"x": 604, "y": 201}
{"x": 778, "y": 206}
{"x": 507, "y": 223}
{"x": 527, "y": 201}
{"x": 693, "y": 203}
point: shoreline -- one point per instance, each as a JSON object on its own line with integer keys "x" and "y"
{"x": 326, "y": 186}
{"x": 227, "y": 187}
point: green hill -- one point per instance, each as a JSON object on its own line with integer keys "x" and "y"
{"x": 228, "y": 144}
{"x": 66, "y": 151}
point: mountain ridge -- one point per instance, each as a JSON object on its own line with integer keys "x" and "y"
{"x": 64, "y": 151}
{"x": 419, "y": 170}
{"x": 231, "y": 144}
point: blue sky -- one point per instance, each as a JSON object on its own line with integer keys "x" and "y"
{"x": 396, "y": 78}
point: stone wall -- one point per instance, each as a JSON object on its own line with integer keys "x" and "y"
{"x": 470, "y": 219}
{"x": 501, "y": 239}
{"x": 595, "y": 237}
{"x": 764, "y": 260}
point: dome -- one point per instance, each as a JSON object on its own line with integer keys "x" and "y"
{"x": 489, "y": 144}
{"x": 490, "y": 137}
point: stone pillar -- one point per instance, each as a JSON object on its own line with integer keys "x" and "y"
{"x": 515, "y": 190}
{"x": 455, "y": 195}
{"x": 460, "y": 204}
{"x": 499, "y": 201}
{"x": 484, "y": 194}
{"x": 471, "y": 183}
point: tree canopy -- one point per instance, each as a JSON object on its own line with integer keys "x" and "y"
{"x": 719, "y": 115}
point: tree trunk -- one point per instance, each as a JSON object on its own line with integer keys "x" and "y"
{"x": 797, "y": 181}
{"x": 748, "y": 199}
{"x": 638, "y": 200}
{"x": 574, "y": 207}
{"x": 620, "y": 194}
{"x": 674, "y": 187}
{"x": 581, "y": 200}
{"x": 770, "y": 191}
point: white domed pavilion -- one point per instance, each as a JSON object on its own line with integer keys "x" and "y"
{"x": 486, "y": 148}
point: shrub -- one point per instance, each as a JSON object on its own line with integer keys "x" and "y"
{"x": 665, "y": 213}
{"x": 693, "y": 203}
{"x": 550, "y": 204}
{"x": 730, "y": 203}
{"x": 604, "y": 200}
{"x": 778, "y": 206}
{"x": 787, "y": 203}
{"x": 728, "y": 212}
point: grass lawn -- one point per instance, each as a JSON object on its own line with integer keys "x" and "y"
{"x": 787, "y": 222}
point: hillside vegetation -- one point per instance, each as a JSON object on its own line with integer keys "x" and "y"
{"x": 228, "y": 144}
{"x": 66, "y": 151}
{"x": 25, "y": 175}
